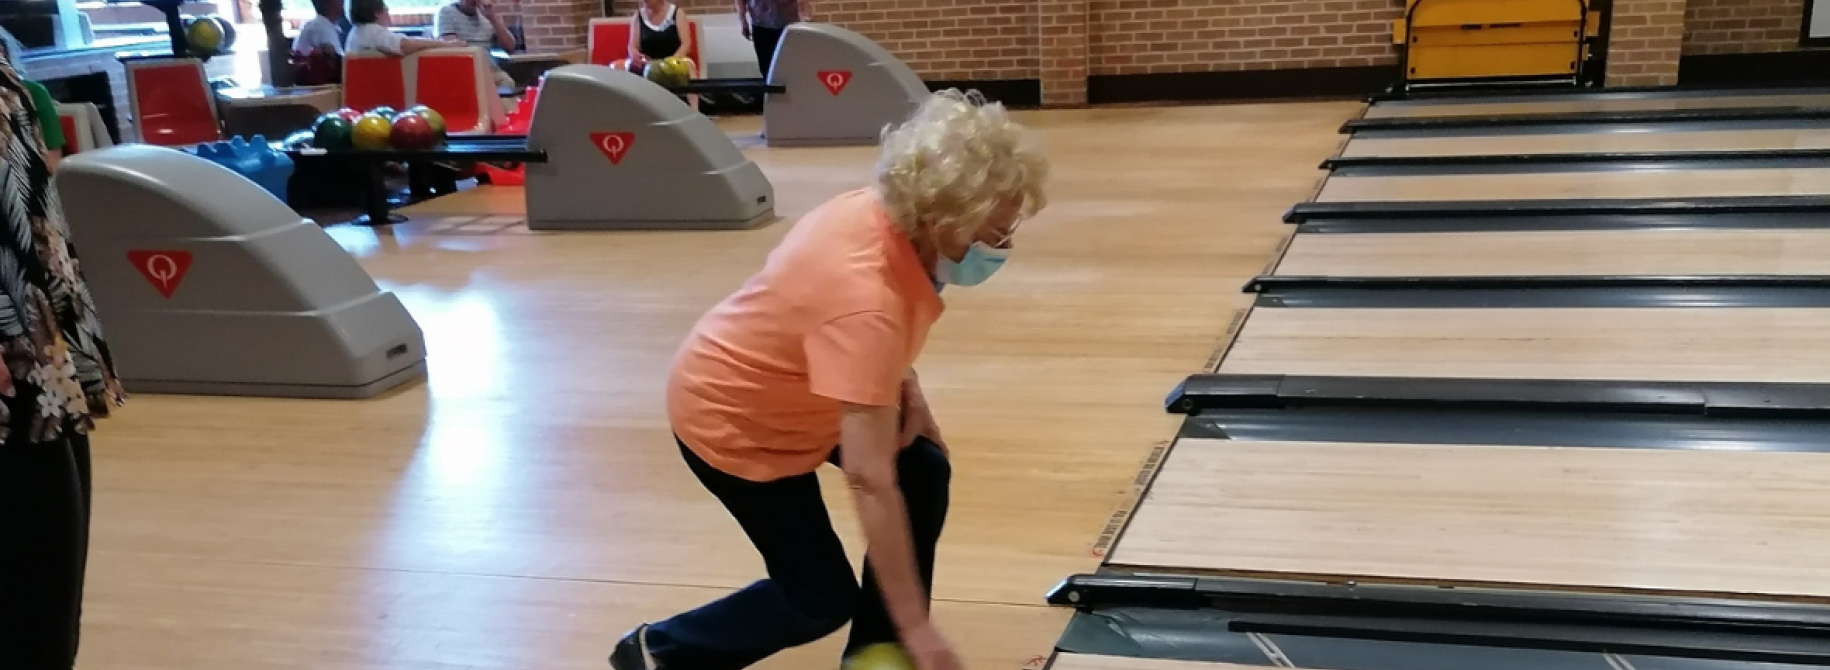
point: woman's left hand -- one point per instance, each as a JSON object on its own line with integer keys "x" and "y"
{"x": 917, "y": 418}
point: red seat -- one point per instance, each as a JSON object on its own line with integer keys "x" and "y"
{"x": 172, "y": 103}
{"x": 607, "y": 40}
{"x": 83, "y": 129}
{"x": 373, "y": 80}
{"x": 449, "y": 81}
{"x": 68, "y": 122}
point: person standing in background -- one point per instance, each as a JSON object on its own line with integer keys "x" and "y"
{"x": 763, "y": 22}
{"x": 59, "y": 378}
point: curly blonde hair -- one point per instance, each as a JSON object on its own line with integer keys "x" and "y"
{"x": 956, "y": 161}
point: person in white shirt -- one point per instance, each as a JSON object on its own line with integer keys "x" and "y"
{"x": 372, "y": 33}
{"x": 321, "y": 32}
{"x": 474, "y": 22}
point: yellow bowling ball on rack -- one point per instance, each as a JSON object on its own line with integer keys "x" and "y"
{"x": 372, "y": 132}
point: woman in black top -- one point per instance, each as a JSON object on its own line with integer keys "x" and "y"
{"x": 657, "y": 34}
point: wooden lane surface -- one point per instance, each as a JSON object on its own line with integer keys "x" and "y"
{"x": 1578, "y": 143}
{"x": 1746, "y": 182}
{"x": 1560, "y": 253}
{"x": 525, "y": 505}
{"x": 1641, "y": 344}
{"x": 1476, "y": 108}
{"x": 1069, "y": 661}
{"x": 1694, "y": 522}
{"x": 185, "y": 613}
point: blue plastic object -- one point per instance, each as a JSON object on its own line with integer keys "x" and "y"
{"x": 257, "y": 160}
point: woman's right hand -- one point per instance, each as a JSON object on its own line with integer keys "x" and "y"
{"x": 929, "y": 650}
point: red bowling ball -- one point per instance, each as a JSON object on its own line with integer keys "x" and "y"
{"x": 413, "y": 132}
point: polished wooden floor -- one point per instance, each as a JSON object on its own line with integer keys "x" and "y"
{"x": 1677, "y": 344}
{"x": 1451, "y": 108}
{"x": 1620, "y": 184}
{"x": 1707, "y": 522}
{"x": 1068, "y": 661}
{"x": 1590, "y": 142}
{"x": 1560, "y": 253}
{"x": 525, "y": 505}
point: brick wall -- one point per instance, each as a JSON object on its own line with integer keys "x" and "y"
{"x": 1644, "y": 42}
{"x": 1742, "y": 26}
{"x": 1148, "y": 36}
{"x": 940, "y": 39}
{"x": 1062, "y": 50}
{"x": 1060, "y": 42}
{"x": 557, "y": 26}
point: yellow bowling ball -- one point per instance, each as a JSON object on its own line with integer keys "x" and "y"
{"x": 205, "y": 36}
{"x": 882, "y": 656}
{"x": 680, "y": 67}
{"x": 372, "y": 132}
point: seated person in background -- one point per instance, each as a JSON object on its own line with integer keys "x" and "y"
{"x": 658, "y": 34}
{"x": 474, "y": 22}
{"x": 372, "y": 33}
{"x": 317, "y": 53}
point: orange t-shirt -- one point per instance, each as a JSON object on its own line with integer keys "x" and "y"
{"x": 837, "y": 314}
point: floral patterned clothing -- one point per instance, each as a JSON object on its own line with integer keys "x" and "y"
{"x": 60, "y": 376}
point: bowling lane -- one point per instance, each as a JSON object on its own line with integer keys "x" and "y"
{"x": 1644, "y": 344}
{"x": 1560, "y": 253}
{"x": 1072, "y": 661}
{"x": 1585, "y": 185}
{"x": 1579, "y": 143}
{"x": 1590, "y": 104}
{"x": 1673, "y": 520}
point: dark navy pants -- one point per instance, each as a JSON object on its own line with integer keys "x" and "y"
{"x": 810, "y": 591}
{"x": 44, "y": 518}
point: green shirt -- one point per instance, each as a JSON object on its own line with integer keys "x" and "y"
{"x": 50, "y": 127}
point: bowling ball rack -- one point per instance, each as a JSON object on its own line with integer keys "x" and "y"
{"x": 731, "y": 85}
{"x": 422, "y": 179}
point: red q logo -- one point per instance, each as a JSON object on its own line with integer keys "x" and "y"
{"x": 614, "y": 145}
{"x": 163, "y": 269}
{"x": 835, "y": 80}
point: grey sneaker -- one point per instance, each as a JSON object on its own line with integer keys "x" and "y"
{"x": 631, "y": 652}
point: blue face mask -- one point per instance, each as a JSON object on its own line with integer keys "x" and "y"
{"x": 980, "y": 262}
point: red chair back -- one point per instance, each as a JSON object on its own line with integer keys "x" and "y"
{"x": 71, "y": 143}
{"x": 373, "y": 80}
{"x": 172, "y": 104}
{"x": 607, "y": 40}
{"x": 452, "y": 83}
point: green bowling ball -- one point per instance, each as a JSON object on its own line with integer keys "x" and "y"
{"x": 331, "y": 133}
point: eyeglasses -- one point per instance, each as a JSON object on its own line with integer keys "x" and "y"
{"x": 999, "y": 240}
